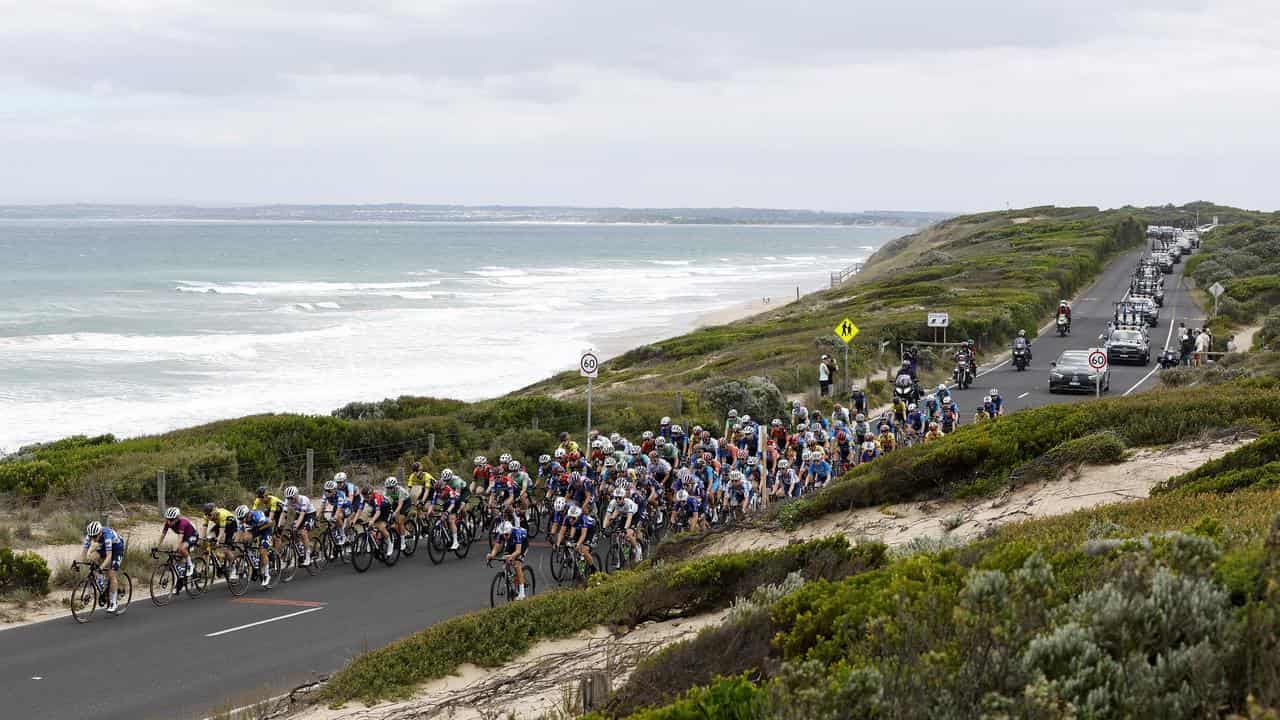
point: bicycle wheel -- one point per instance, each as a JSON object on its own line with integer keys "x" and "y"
{"x": 614, "y": 561}
{"x": 498, "y": 590}
{"x": 124, "y": 592}
{"x": 243, "y": 571}
{"x": 437, "y": 543}
{"x": 362, "y": 552}
{"x": 328, "y": 547}
{"x": 318, "y": 558}
{"x": 530, "y": 582}
{"x": 163, "y": 584}
{"x": 197, "y": 580}
{"x": 558, "y": 566}
{"x": 390, "y": 558}
{"x": 464, "y": 541}
{"x": 284, "y": 563}
{"x": 411, "y": 533}
{"x": 533, "y": 521}
{"x": 84, "y": 600}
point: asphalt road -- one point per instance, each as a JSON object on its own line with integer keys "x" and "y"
{"x": 196, "y": 657}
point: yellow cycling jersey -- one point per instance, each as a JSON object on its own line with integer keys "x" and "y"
{"x": 422, "y": 478}
{"x": 270, "y": 503}
{"x": 220, "y": 516}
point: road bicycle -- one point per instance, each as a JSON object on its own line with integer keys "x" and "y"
{"x": 170, "y": 577}
{"x": 621, "y": 554}
{"x": 503, "y": 588}
{"x": 293, "y": 552}
{"x": 250, "y": 556}
{"x": 532, "y": 522}
{"x": 413, "y": 529}
{"x": 568, "y": 565}
{"x": 91, "y": 593}
{"x": 210, "y": 565}
{"x": 329, "y": 548}
{"x": 364, "y": 547}
{"x": 439, "y": 541}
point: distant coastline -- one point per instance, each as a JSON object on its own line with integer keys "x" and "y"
{"x": 488, "y": 214}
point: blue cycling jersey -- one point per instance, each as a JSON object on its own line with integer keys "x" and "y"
{"x": 256, "y": 520}
{"x": 518, "y": 538}
{"x": 109, "y": 540}
{"x": 584, "y": 521}
{"x": 339, "y": 500}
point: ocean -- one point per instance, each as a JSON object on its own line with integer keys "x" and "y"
{"x": 137, "y": 327}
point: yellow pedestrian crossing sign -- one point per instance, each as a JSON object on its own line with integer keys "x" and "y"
{"x": 846, "y": 330}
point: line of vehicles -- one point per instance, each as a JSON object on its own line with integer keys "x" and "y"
{"x": 1126, "y": 338}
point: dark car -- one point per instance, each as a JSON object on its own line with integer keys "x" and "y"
{"x": 1165, "y": 264}
{"x": 1071, "y": 373}
{"x": 1129, "y": 346}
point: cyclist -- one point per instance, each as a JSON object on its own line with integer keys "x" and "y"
{"x": 513, "y": 542}
{"x": 379, "y": 512}
{"x": 110, "y": 553}
{"x": 915, "y": 421}
{"x": 785, "y": 482}
{"x": 934, "y": 432}
{"x": 582, "y": 531}
{"x": 626, "y": 512}
{"x": 818, "y": 472}
{"x": 269, "y": 504}
{"x": 335, "y": 507}
{"x": 189, "y": 538}
{"x": 556, "y": 523}
{"x": 981, "y": 414}
{"x": 419, "y": 478}
{"x": 260, "y": 527}
{"x": 401, "y": 500}
{"x": 887, "y": 440}
{"x": 480, "y": 475}
{"x": 522, "y": 484}
{"x": 997, "y": 403}
{"x": 223, "y": 521}
{"x": 740, "y": 490}
{"x": 304, "y": 518}
{"x": 455, "y": 494}
{"x": 869, "y": 452}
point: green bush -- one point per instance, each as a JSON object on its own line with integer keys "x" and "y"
{"x": 1255, "y": 464}
{"x": 23, "y": 571}
{"x": 754, "y": 396}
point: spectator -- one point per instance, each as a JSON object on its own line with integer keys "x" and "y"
{"x": 1186, "y": 346}
{"x": 827, "y": 369}
{"x": 1231, "y": 345}
{"x": 858, "y": 400}
{"x": 1203, "y": 343}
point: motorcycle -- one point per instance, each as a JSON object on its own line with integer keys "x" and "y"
{"x": 963, "y": 375}
{"x": 1064, "y": 326}
{"x": 1021, "y": 357}
{"x": 906, "y": 391}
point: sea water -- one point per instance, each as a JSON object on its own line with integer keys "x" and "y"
{"x": 136, "y": 327}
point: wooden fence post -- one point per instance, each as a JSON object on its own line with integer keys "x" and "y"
{"x": 160, "y": 491}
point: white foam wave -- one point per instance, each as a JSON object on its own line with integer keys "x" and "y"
{"x": 494, "y": 271}
{"x": 328, "y": 306}
{"x": 676, "y": 263}
{"x": 297, "y": 288}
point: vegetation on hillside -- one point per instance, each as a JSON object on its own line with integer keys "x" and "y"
{"x": 1245, "y": 258}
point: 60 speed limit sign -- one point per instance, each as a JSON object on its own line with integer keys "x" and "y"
{"x": 589, "y": 364}
{"x": 1098, "y": 359}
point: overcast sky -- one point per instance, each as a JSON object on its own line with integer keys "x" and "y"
{"x": 839, "y": 104}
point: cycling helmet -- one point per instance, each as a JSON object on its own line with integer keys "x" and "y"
{"x": 911, "y": 406}
{"x": 597, "y": 443}
{"x": 504, "y": 528}
{"x": 736, "y": 475}
{"x": 1022, "y": 333}
{"x": 615, "y": 438}
{"x": 558, "y": 504}
{"x": 207, "y": 508}
{"x": 868, "y": 445}
{"x": 661, "y": 441}
{"x": 783, "y": 464}
{"x": 513, "y": 466}
{"x": 171, "y": 513}
{"x": 290, "y": 491}
{"x": 802, "y": 426}
{"x": 933, "y": 426}
{"x": 775, "y": 422}
{"x": 564, "y": 436}
{"x": 480, "y": 460}
{"x": 610, "y": 462}
{"x": 884, "y": 428}
{"x": 746, "y": 418}
{"x": 619, "y": 493}
{"x": 367, "y": 490}
{"x": 752, "y": 461}
{"x": 699, "y": 463}
{"x": 986, "y": 398}
{"x": 389, "y": 482}
{"x": 994, "y": 392}
{"x": 646, "y": 435}
{"x": 665, "y": 420}
{"x": 446, "y": 474}
{"x": 544, "y": 459}
{"x": 262, "y": 490}
{"x": 330, "y": 486}
{"x": 942, "y": 388}
{"x": 860, "y": 418}
{"x": 806, "y": 456}
{"x": 682, "y": 496}
{"x": 242, "y": 511}
{"x": 504, "y": 458}
{"x": 677, "y": 429}
{"x": 93, "y": 529}
{"x": 575, "y": 512}
{"x": 794, "y": 404}
{"x": 340, "y": 477}
{"x": 560, "y": 452}
{"x": 981, "y": 408}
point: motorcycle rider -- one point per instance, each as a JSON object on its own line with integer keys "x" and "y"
{"x": 966, "y": 357}
{"x": 1064, "y": 311}
{"x": 1021, "y": 344}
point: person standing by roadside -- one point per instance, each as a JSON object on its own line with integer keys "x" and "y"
{"x": 826, "y": 373}
{"x": 1186, "y": 346}
{"x": 858, "y": 400}
{"x": 1203, "y": 343}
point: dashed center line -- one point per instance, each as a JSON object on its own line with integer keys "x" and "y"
{"x": 1024, "y": 395}
{"x": 262, "y": 622}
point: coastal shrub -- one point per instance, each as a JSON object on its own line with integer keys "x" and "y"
{"x": 491, "y": 637}
{"x": 1094, "y": 449}
{"x": 1257, "y": 463}
{"x": 23, "y": 571}
{"x": 754, "y": 396}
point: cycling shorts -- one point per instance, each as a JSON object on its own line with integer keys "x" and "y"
{"x": 275, "y": 516}
{"x": 191, "y": 541}
{"x": 263, "y": 537}
{"x": 453, "y": 506}
{"x": 117, "y": 555}
{"x": 383, "y": 514}
{"x": 229, "y": 531}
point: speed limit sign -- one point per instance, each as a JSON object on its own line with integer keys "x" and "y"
{"x": 589, "y": 364}
{"x": 1098, "y": 359}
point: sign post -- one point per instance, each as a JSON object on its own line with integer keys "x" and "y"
{"x": 939, "y": 320}
{"x": 1098, "y": 362}
{"x": 846, "y": 331}
{"x": 1216, "y": 291}
{"x": 589, "y": 368}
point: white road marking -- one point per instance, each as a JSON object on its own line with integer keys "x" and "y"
{"x": 1173, "y": 317}
{"x": 36, "y": 677}
{"x": 263, "y": 622}
{"x": 993, "y": 368}
{"x": 1024, "y": 395}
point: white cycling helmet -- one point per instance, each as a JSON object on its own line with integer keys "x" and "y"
{"x": 340, "y": 477}
{"x": 911, "y": 406}
{"x": 446, "y": 474}
{"x": 513, "y": 466}
{"x": 615, "y": 438}
{"x": 504, "y": 528}
{"x": 868, "y": 445}
{"x": 775, "y": 422}
{"x": 575, "y": 512}
{"x": 290, "y": 491}
{"x": 171, "y": 513}
{"x": 995, "y": 391}
{"x": 660, "y": 441}
{"x": 544, "y": 459}
{"x": 93, "y": 529}
{"x": 610, "y": 462}
{"x": 389, "y": 482}
{"x": 619, "y": 493}
{"x": 860, "y": 418}
{"x": 942, "y": 387}
{"x": 783, "y": 464}
{"x": 242, "y": 511}
{"x": 753, "y": 461}
{"x": 986, "y": 398}
{"x": 682, "y": 496}
{"x": 665, "y": 420}
{"x": 480, "y": 460}
{"x": 558, "y": 504}
{"x": 746, "y": 418}
{"x": 560, "y": 452}
{"x": 330, "y": 486}
{"x": 736, "y": 475}
{"x": 504, "y": 458}
{"x": 646, "y": 435}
